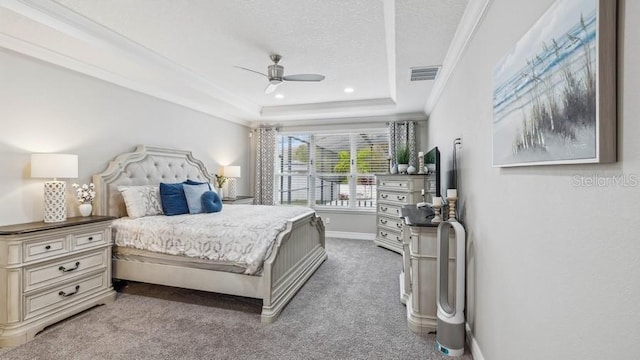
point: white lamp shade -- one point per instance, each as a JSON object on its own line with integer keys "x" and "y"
{"x": 232, "y": 171}
{"x": 54, "y": 166}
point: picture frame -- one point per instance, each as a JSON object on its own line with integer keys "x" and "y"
{"x": 554, "y": 95}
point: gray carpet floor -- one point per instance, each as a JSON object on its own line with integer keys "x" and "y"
{"x": 349, "y": 309}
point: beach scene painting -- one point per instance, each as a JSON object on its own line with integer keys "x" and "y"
{"x": 546, "y": 95}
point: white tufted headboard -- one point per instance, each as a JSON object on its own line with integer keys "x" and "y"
{"x": 146, "y": 165}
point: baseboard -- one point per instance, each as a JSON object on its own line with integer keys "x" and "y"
{"x": 350, "y": 235}
{"x": 473, "y": 344}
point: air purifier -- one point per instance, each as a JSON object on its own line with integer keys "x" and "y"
{"x": 450, "y": 312}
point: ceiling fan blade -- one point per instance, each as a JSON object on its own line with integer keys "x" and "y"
{"x": 303, "y": 77}
{"x": 271, "y": 87}
{"x": 253, "y": 71}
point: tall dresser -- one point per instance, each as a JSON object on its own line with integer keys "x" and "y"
{"x": 50, "y": 271}
{"x": 395, "y": 191}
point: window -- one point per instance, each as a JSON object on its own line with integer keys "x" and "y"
{"x": 331, "y": 169}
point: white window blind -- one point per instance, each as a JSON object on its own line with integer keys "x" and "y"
{"x": 331, "y": 170}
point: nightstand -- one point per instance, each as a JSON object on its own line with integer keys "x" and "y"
{"x": 50, "y": 271}
{"x": 240, "y": 199}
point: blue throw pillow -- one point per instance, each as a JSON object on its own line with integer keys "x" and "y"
{"x": 191, "y": 182}
{"x": 173, "y": 200}
{"x": 211, "y": 202}
{"x": 193, "y": 193}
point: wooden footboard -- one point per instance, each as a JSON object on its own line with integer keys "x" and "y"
{"x": 297, "y": 253}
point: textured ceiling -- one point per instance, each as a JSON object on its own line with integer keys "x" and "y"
{"x": 188, "y": 50}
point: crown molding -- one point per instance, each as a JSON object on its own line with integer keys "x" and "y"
{"x": 65, "y": 21}
{"x": 471, "y": 19}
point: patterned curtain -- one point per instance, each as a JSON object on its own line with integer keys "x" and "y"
{"x": 265, "y": 161}
{"x": 403, "y": 133}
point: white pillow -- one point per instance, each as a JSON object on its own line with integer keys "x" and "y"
{"x": 141, "y": 200}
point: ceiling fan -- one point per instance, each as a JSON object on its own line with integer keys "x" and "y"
{"x": 276, "y": 75}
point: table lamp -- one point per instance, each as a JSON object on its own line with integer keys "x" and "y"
{"x": 54, "y": 166}
{"x": 232, "y": 173}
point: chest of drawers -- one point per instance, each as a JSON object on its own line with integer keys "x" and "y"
{"x": 395, "y": 191}
{"x": 50, "y": 271}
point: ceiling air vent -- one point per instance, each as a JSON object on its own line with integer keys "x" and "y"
{"x": 424, "y": 73}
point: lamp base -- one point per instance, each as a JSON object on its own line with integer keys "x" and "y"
{"x": 233, "y": 189}
{"x": 55, "y": 202}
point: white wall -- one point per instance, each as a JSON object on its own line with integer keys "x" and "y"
{"x": 554, "y": 268}
{"x": 45, "y": 108}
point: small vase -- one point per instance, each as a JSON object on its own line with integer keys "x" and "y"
{"x": 220, "y": 193}
{"x": 411, "y": 170}
{"x": 402, "y": 168}
{"x": 85, "y": 209}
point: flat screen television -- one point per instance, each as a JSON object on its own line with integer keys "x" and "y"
{"x": 432, "y": 163}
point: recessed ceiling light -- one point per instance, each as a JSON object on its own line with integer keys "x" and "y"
{"x": 348, "y": 90}
{"x": 279, "y": 96}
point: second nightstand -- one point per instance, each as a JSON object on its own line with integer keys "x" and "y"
{"x": 240, "y": 199}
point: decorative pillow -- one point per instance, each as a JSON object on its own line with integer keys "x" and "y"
{"x": 193, "y": 193}
{"x": 191, "y": 182}
{"x": 211, "y": 202}
{"x": 173, "y": 200}
{"x": 141, "y": 200}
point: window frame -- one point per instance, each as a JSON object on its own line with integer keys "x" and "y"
{"x": 312, "y": 175}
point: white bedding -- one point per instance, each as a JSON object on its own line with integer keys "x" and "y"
{"x": 242, "y": 235}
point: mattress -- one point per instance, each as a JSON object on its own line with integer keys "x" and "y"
{"x": 238, "y": 237}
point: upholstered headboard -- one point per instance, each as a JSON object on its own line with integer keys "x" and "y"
{"x": 146, "y": 165}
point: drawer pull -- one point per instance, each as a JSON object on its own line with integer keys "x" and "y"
{"x": 384, "y": 196}
{"x": 90, "y": 238}
{"x": 384, "y": 234}
{"x": 401, "y": 198}
{"x": 63, "y": 294}
{"x": 63, "y": 269}
{"x": 383, "y": 221}
{"x": 398, "y": 238}
{"x": 48, "y": 247}
{"x": 399, "y": 225}
{"x": 384, "y": 208}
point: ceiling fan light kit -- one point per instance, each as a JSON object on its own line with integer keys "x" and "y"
{"x": 275, "y": 74}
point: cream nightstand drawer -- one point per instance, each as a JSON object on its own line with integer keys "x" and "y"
{"x": 46, "y": 301}
{"x": 71, "y": 267}
{"x": 82, "y": 241}
{"x": 43, "y": 249}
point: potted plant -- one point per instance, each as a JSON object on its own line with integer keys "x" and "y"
{"x": 402, "y": 157}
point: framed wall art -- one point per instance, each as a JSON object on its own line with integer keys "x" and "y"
{"x": 554, "y": 95}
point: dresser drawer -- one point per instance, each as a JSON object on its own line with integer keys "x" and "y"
{"x": 400, "y": 184}
{"x": 88, "y": 240}
{"x": 390, "y": 235}
{"x": 389, "y": 209}
{"x": 42, "y": 249}
{"x": 61, "y": 270}
{"x": 49, "y": 300}
{"x": 394, "y": 197}
{"x": 391, "y": 223}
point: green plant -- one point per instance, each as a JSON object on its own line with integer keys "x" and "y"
{"x": 402, "y": 154}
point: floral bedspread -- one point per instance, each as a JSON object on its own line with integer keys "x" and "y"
{"x": 242, "y": 235}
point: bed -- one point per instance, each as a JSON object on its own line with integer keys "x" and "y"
{"x": 298, "y": 250}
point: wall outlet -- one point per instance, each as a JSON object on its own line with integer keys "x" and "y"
{"x": 328, "y": 220}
